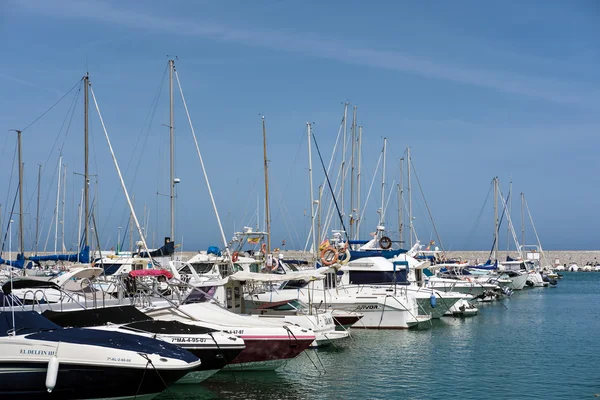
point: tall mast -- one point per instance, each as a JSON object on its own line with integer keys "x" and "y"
{"x": 319, "y": 213}
{"x": 62, "y": 218}
{"x": 358, "y": 176}
{"x": 496, "y": 222}
{"x": 57, "y": 203}
{"x": 37, "y": 214}
{"x": 400, "y": 202}
{"x": 381, "y": 215}
{"x": 352, "y": 160}
{"x": 86, "y": 177}
{"x": 509, "y": 226}
{"x": 410, "y": 217}
{"x": 79, "y": 226}
{"x": 267, "y": 215}
{"x": 172, "y": 147}
{"x": 21, "y": 210}
{"x": 522, "y": 220}
{"x": 310, "y": 182}
{"x": 343, "y": 163}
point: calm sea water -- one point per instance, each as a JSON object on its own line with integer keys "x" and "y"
{"x": 540, "y": 343}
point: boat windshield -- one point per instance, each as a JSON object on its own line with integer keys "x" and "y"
{"x": 200, "y": 294}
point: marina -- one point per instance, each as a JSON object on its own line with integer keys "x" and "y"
{"x": 306, "y": 202}
{"x": 508, "y": 351}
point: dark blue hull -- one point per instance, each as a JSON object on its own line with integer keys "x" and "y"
{"x": 375, "y": 253}
{"x": 26, "y": 381}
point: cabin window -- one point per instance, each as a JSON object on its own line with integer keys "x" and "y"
{"x": 185, "y": 270}
{"x": 254, "y": 268}
{"x": 228, "y": 298}
{"x": 237, "y": 267}
{"x": 202, "y": 268}
{"x": 110, "y": 269}
{"x": 200, "y": 294}
{"x": 330, "y": 281}
{"x": 294, "y": 284}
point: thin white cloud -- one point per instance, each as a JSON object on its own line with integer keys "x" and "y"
{"x": 558, "y": 91}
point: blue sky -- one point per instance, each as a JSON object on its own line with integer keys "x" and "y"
{"x": 476, "y": 90}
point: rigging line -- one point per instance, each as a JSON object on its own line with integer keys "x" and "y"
{"x": 364, "y": 207}
{"x": 289, "y": 179}
{"x": 52, "y": 106}
{"x": 293, "y": 225}
{"x": 387, "y": 202}
{"x": 9, "y": 221}
{"x": 472, "y": 231}
{"x": 329, "y": 184}
{"x": 227, "y": 252}
{"x": 499, "y": 225}
{"x": 145, "y": 127}
{"x": 54, "y": 171}
{"x": 54, "y": 209}
{"x": 510, "y": 224}
{"x": 4, "y": 147}
{"x": 71, "y": 110}
{"x": 543, "y": 256}
{"x": 12, "y": 168}
{"x": 426, "y": 205}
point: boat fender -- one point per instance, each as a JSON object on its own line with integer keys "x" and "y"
{"x": 52, "y": 373}
{"x": 529, "y": 283}
{"x": 344, "y": 257}
{"x": 432, "y": 300}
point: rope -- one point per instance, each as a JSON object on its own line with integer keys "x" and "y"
{"x": 330, "y": 188}
{"x": 157, "y": 373}
{"x": 51, "y": 107}
{"x": 219, "y": 348}
{"x": 472, "y": 231}
{"x": 426, "y": 205}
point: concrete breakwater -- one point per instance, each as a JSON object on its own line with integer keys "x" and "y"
{"x": 552, "y": 257}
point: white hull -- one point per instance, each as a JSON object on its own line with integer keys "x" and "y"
{"x": 379, "y": 311}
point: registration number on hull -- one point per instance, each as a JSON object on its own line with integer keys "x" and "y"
{"x": 188, "y": 340}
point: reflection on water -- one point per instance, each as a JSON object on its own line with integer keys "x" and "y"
{"x": 538, "y": 344}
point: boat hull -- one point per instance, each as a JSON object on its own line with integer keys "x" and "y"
{"x": 25, "y": 381}
{"x": 271, "y": 348}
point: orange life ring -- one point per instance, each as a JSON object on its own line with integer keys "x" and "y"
{"x": 329, "y": 256}
{"x": 263, "y": 248}
{"x": 235, "y": 256}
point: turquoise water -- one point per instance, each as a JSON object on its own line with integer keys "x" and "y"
{"x": 540, "y": 343}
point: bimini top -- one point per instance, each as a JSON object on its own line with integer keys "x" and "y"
{"x": 150, "y": 272}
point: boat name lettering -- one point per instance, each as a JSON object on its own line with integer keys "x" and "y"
{"x": 118, "y": 359}
{"x": 35, "y": 352}
{"x": 188, "y": 340}
{"x": 368, "y": 307}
